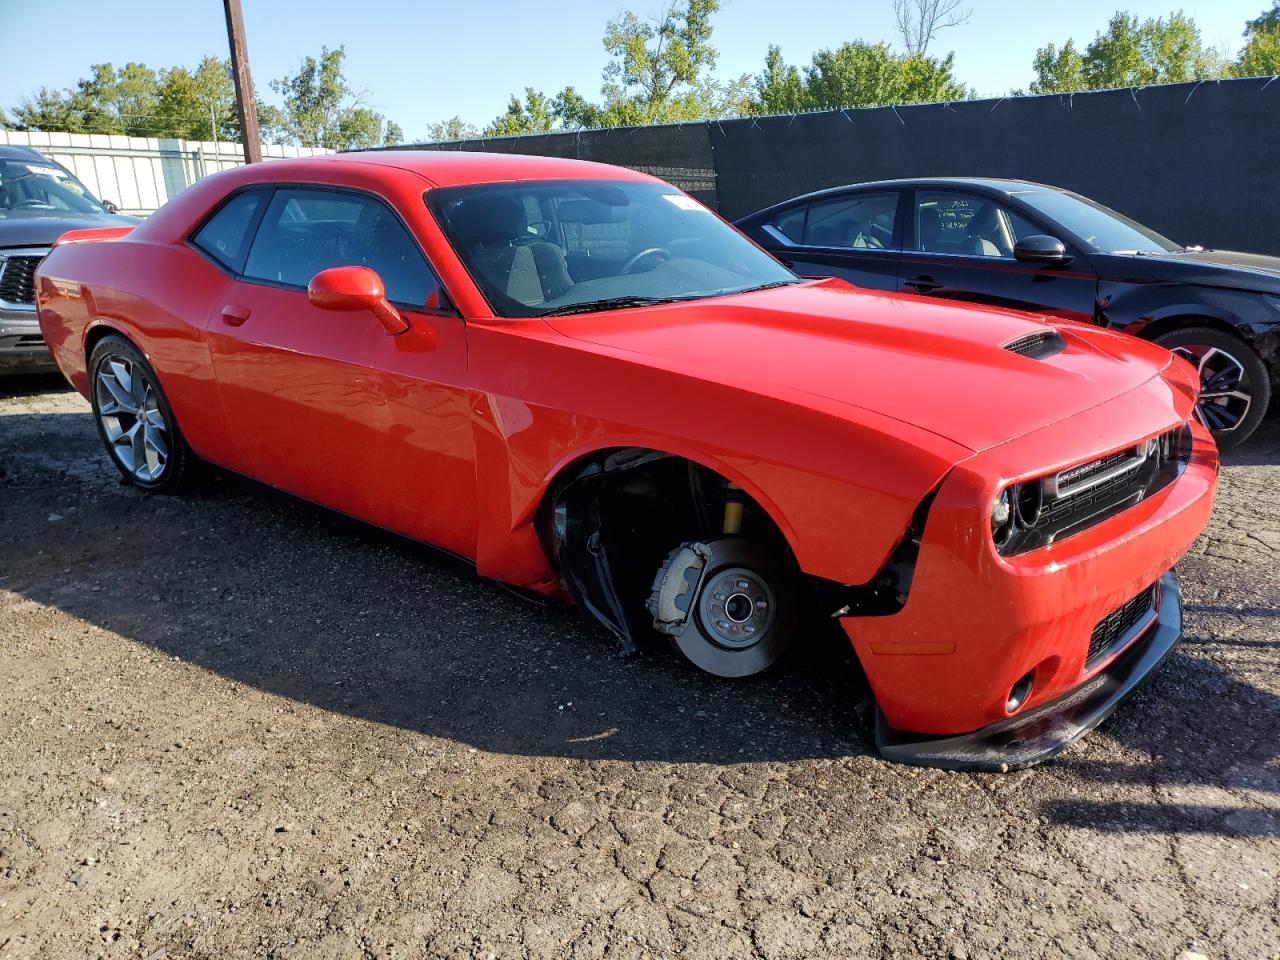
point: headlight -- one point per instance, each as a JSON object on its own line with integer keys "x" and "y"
{"x": 1001, "y": 518}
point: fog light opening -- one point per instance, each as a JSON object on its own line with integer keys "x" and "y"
{"x": 1018, "y": 695}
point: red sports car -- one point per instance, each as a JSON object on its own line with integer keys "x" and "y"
{"x": 590, "y": 385}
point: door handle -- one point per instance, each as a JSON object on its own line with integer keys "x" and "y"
{"x": 922, "y": 284}
{"x": 233, "y": 316}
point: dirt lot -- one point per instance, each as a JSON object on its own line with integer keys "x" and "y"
{"x": 232, "y": 725}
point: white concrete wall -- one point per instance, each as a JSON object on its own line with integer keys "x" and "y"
{"x": 139, "y": 174}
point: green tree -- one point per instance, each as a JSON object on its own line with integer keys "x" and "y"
{"x": 855, "y": 74}
{"x": 1260, "y": 56}
{"x": 576, "y": 112}
{"x": 659, "y": 71}
{"x": 1059, "y": 70}
{"x": 1129, "y": 53}
{"x": 322, "y": 110}
{"x": 861, "y": 74}
{"x": 780, "y": 88}
{"x": 455, "y": 128}
{"x": 1269, "y": 20}
{"x": 659, "y": 67}
{"x": 534, "y": 114}
{"x": 199, "y": 104}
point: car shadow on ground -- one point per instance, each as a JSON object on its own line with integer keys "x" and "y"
{"x": 291, "y": 599}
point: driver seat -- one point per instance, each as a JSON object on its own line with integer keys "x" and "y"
{"x": 523, "y": 267}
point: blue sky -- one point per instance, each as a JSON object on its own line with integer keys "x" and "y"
{"x": 421, "y": 61}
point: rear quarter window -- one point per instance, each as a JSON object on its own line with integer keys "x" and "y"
{"x": 223, "y": 236}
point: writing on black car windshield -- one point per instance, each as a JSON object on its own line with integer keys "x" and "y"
{"x": 545, "y": 247}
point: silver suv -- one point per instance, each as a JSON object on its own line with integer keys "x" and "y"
{"x": 39, "y": 201}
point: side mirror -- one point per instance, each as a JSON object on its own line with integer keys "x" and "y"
{"x": 110, "y": 206}
{"x": 1040, "y": 249}
{"x": 355, "y": 288}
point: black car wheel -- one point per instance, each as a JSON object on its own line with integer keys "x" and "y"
{"x": 135, "y": 420}
{"x": 1234, "y": 384}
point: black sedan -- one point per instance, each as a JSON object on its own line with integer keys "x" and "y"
{"x": 1034, "y": 247}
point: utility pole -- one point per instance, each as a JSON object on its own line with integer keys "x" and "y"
{"x": 247, "y": 106}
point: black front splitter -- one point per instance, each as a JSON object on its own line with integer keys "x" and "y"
{"x": 1042, "y": 733}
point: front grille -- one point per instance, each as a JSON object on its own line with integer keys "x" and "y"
{"x": 1043, "y": 343}
{"x": 1113, "y": 629}
{"x": 16, "y": 275}
{"x": 1079, "y": 497}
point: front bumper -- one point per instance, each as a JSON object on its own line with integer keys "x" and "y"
{"x": 976, "y": 624}
{"x": 22, "y": 348}
{"x": 1040, "y": 734}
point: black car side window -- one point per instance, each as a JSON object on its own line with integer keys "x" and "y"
{"x": 223, "y": 235}
{"x": 790, "y": 223}
{"x": 863, "y": 222}
{"x": 963, "y": 224}
{"x": 305, "y": 231}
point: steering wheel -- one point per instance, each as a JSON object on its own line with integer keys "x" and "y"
{"x": 646, "y": 252}
{"x": 31, "y": 202}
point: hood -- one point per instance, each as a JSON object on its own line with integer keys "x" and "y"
{"x": 933, "y": 364}
{"x": 1209, "y": 268}
{"x": 37, "y": 228}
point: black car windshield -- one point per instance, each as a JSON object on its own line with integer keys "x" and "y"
{"x": 30, "y": 187}
{"x": 540, "y": 247}
{"x": 1100, "y": 227}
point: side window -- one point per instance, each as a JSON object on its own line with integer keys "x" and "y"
{"x": 859, "y": 223}
{"x": 223, "y": 235}
{"x": 964, "y": 224}
{"x": 305, "y": 231}
{"x": 790, "y": 223}
{"x": 1020, "y": 227}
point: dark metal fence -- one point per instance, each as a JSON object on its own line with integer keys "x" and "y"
{"x": 1199, "y": 162}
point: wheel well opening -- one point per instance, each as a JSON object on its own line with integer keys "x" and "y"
{"x": 1158, "y": 328}
{"x": 611, "y": 520}
{"x": 94, "y": 336}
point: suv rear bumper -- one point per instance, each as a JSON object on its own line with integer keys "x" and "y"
{"x": 22, "y": 348}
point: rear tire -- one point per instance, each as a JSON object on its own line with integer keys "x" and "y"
{"x": 1234, "y": 382}
{"x": 135, "y": 421}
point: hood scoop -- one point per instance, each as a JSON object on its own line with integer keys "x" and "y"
{"x": 1038, "y": 345}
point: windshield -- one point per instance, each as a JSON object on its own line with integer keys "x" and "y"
{"x": 541, "y": 247}
{"x": 1100, "y": 227}
{"x": 32, "y": 187}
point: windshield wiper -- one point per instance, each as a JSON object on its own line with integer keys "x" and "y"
{"x": 610, "y": 303}
{"x": 768, "y": 286}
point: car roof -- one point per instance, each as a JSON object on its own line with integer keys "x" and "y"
{"x": 1005, "y": 186}
{"x": 15, "y": 152}
{"x": 447, "y": 168}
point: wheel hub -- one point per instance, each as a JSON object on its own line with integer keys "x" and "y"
{"x": 736, "y": 606}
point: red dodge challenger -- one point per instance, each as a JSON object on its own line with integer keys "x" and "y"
{"x": 584, "y": 381}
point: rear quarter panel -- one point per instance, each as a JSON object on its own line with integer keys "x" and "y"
{"x": 157, "y": 295}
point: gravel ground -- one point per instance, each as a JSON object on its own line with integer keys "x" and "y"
{"x": 233, "y": 725}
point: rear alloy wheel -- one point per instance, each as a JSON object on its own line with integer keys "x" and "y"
{"x": 134, "y": 419}
{"x": 729, "y": 605}
{"x": 1234, "y": 385}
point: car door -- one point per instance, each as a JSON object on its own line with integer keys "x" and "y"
{"x": 325, "y": 404}
{"x": 854, "y": 236}
{"x": 960, "y": 245}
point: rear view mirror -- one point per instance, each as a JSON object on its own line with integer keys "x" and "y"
{"x": 1040, "y": 249}
{"x": 355, "y": 288}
